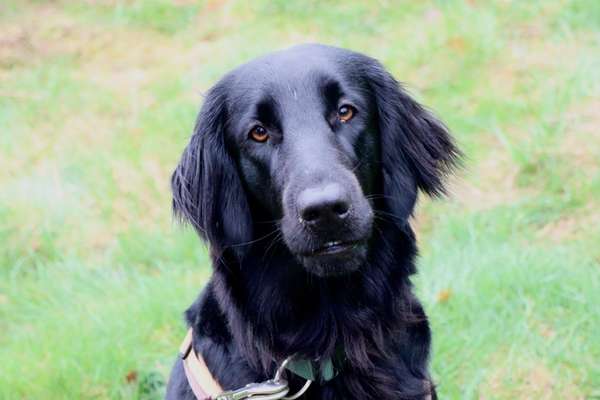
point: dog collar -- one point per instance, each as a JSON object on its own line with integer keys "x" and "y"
{"x": 205, "y": 387}
{"x": 321, "y": 371}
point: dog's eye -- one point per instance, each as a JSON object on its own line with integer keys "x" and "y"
{"x": 258, "y": 134}
{"x": 346, "y": 113}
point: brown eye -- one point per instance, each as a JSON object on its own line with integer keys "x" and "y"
{"x": 258, "y": 134}
{"x": 346, "y": 113}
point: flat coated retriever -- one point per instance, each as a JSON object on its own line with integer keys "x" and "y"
{"x": 301, "y": 174}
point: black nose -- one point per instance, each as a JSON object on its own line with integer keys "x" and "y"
{"x": 326, "y": 203}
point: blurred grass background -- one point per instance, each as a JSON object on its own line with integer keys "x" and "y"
{"x": 98, "y": 99}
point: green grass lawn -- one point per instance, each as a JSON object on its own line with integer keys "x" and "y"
{"x": 98, "y": 99}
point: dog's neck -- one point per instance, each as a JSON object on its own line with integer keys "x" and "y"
{"x": 280, "y": 309}
{"x": 370, "y": 314}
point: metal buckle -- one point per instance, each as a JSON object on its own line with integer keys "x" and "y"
{"x": 273, "y": 389}
{"x": 268, "y": 390}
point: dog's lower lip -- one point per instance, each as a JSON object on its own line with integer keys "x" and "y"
{"x": 333, "y": 247}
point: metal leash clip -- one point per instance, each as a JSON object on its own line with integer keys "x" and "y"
{"x": 273, "y": 389}
{"x": 268, "y": 390}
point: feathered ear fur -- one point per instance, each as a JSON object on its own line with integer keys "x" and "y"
{"x": 416, "y": 149}
{"x": 207, "y": 191}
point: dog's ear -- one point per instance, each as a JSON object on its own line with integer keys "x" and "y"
{"x": 207, "y": 191}
{"x": 416, "y": 149}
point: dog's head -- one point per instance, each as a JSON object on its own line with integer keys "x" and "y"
{"x": 317, "y": 138}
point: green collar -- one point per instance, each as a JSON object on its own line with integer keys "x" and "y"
{"x": 317, "y": 371}
{"x": 311, "y": 370}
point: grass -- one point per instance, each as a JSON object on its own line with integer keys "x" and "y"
{"x": 97, "y": 100}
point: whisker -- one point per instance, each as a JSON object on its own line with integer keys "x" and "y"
{"x": 384, "y": 240}
{"x": 380, "y": 196}
{"x": 255, "y": 240}
{"x": 357, "y": 166}
{"x": 272, "y": 221}
{"x": 275, "y": 240}
{"x": 381, "y": 213}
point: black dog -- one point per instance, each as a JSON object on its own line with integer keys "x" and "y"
{"x": 301, "y": 175}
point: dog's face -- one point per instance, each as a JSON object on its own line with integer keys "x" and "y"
{"x": 307, "y": 137}
{"x": 307, "y": 152}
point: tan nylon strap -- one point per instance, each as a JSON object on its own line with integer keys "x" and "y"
{"x": 204, "y": 386}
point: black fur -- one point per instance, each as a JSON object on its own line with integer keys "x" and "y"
{"x": 272, "y": 293}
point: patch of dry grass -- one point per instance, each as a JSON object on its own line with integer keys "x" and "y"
{"x": 532, "y": 381}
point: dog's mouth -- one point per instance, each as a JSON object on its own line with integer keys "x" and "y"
{"x": 335, "y": 257}
{"x": 334, "y": 248}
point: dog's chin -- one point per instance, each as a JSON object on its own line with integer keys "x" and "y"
{"x": 336, "y": 259}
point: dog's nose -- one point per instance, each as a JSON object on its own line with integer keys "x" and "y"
{"x": 326, "y": 203}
